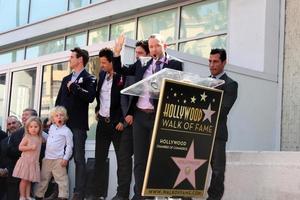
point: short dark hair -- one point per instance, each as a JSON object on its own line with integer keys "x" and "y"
{"x": 143, "y": 44}
{"x": 82, "y": 53}
{"x": 107, "y": 53}
{"x": 221, "y": 52}
{"x": 32, "y": 111}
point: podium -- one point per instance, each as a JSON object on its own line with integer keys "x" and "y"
{"x": 183, "y": 134}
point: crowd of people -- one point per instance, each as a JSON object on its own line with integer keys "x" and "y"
{"x": 35, "y": 155}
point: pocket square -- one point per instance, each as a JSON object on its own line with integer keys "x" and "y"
{"x": 80, "y": 80}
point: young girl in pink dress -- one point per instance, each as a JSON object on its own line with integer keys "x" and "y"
{"x": 27, "y": 168}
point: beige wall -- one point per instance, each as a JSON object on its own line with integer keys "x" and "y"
{"x": 262, "y": 175}
{"x": 290, "y": 139}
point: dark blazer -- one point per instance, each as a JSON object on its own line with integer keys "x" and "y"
{"x": 116, "y": 115}
{"x": 230, "y": 91}
{"x": 2, "y": 135}
{"x": 77, "y": 100}
{"x": 13, "y": 151}
{"x": 3, "y": 138}
{"x": 5, "y": 160}
{"x": 138, "y": 71}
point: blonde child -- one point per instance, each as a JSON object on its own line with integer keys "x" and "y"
{"x": 27, "y": 167}
{"x": 58, "y": 152}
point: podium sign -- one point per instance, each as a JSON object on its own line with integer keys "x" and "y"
{"x": 182, "y": 140}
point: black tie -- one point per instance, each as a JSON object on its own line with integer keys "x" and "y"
{"x": 157, "y": 66}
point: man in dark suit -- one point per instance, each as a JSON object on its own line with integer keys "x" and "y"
{"x": 3, "y": 170}
{"x": 12, "y": 125}
{"x": 77, "y": 90}
{"x": 110, "y": 125}
{"x": 217, "y": 62}
{"x": 14, "y": 154}
{"x": 144, "y": 108}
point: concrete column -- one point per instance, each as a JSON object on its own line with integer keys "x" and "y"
{"x": 290, "y": 140}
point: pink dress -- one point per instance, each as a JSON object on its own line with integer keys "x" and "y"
{"x": 28, "y": 167}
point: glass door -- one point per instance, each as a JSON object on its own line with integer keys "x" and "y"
{"x": 2, "y": 98}
{"x": 22, "y": 91}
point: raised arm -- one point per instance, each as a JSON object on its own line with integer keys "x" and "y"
{"x": 126, "y": 70}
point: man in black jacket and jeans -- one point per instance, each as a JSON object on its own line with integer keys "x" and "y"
{"x": 77, "y": 90}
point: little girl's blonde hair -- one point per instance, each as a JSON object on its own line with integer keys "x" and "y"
{"x": 59, "y": 109}
{"x": 38, "y": 121}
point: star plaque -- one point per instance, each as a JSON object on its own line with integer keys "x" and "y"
{"x": 182, "y": 140}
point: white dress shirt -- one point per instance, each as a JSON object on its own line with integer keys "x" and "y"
{"x": 219, "y": 75}
{"x": 105, "y": 96}
{"x": 59, "y": 143}
{"x": 143, "y": 102}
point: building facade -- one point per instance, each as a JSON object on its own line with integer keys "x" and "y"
{"x": 36, "y": 37}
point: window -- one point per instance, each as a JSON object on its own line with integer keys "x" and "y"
{"x": 97, "y": 1}
{"x": 11, "y": 56}
{"x": 41, "y": 49}
{"x": 171, "y": 46}
{"x": 13, "y": 13}
{"x": 22, "y": 92}
{"x": 52, "y": 77}
{"x": 73, "y": 4}
{"x": 127, "y": 27}
{"x": 185, "y": 30}
{"x": 163, "y": 23}
{"x": 76, "y": 40}
{"x": 202, "y": 47}
{"x": 203, "y": 18}
{"x": 2, "y": 97}
{"x": 98, "y": 35}
{"x": 93, "y": 68}
{"x": 42, "y": 9}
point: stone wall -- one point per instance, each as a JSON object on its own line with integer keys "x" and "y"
{"x": 290, "y": 139}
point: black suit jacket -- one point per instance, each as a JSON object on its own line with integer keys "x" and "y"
{"x": 13, "y": 152}
{"x": 230, "y": 91}
{"x": 5, "y": 160}
{"x": 2, "y": 135}
{"x": 138, "y": 71}
{"x": 116, "y": 115}
{"x": 77, "y": 100}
